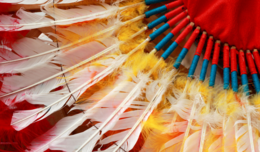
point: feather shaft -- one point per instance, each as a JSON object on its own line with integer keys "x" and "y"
{"x": 64, "y": 71}
{"x": 155, "y": 101}
{"x": 129, "y": 96}
{"x": 84, "y": 39}
{"x": 249, "y": 124}
{"x": 89, "y": 83}
{"x": 190, "y": 120}
{"x": 204, "y": 127}
{"x": 80, "y": 64}
{"x": 102, "y": 14}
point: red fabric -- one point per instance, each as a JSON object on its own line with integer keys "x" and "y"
{"x": 216, "y": 53}
{"x": 185, "y": 32}
{"x": 233, "y": 21}
{"x": 242, "y": 62}
{"x": 183, "y": 23}
{"x": 251, "y": 63}
{"x": 257, "y": 59}
{"x": 173, "y": 4}
{"x": 209, "y": 48}
{"x": 233, "y": 55}
{"x": 175, "y": 12}
{"x": 192, "y": 38}
{"x": 226, "y": 56}
{"x": 201, "y": 44}
{"x": 177, "y": 18}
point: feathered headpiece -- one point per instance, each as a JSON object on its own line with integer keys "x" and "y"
{"x": 97, "y": 75}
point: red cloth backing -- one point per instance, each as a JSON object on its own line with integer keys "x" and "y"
{"x": 233, "y": 21}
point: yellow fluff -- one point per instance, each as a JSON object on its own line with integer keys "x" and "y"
{"x": 226, "y": 101}
{"x": 256, "y": 101}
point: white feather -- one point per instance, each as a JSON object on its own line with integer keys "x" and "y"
{"x": 67, "y": 125}
{"x": 59, "y": 100}
{"x": 192, "y": 143}
{"x": 28, "y": 20}
{"x": 131, "y": 137}
{"x": 83, "y": 13}
{"x": 229, "y": 136}
{"x": 77, "y": 89}
{"x": 114, "y": 117}
{"x": 100, "y": 115}
{"x": 242, "y": 135}
{"x": 63, "y": 58}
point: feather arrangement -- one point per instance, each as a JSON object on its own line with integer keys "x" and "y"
{"x": 83, "y": 76}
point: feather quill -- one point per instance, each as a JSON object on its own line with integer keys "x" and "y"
{"x": 92, "y": 33}
{"x": 76, "y": 91}
{"x": 28, "y": 20}
{"x": 245, "y": 134}
{"x": 59, "y": 132}
{"x": 136, "y": 129}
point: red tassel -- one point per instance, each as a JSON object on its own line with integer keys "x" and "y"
{"x": 216, "y": 52}
{"x": 233, "y": 55}
{"x": 209, "y": 48}
{"x": 201, "y": 44}
{"x": 257, "y": 59}
{"x": 242, "y": 62}
{"x": 186, "y": 31}
{"x": 250, "y": 62}
{"x": 226, "y": 56}
{"x": 192, "y": 38}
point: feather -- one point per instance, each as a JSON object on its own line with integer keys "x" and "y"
{"x": 19, "y": 141}
{"x": 242, "y": 134}
{"x": 136, "y": 91}
{"x": 20, "y": 120}
{"x": 67, "y": 125}
{"x": 245, "y": 133}
{"x": 96, "y": 30}
{"x": 187, "y": 109}
{"x": 130, "y": 138}
{"x": 28, "y": 20}
{"x": 229, "y": 142}
{"x": 65, "y": 59}
{"x": 33, "y": 2}
{"x": 118, "y": 111}
{"x": 192, "y": 143}
{"x": 26, "y": 2}
{"x": 85, "y": 33}
{"x": 129, "y": 89}
{"x": 216, "y": 145}
{"x": 205, "y": 126}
